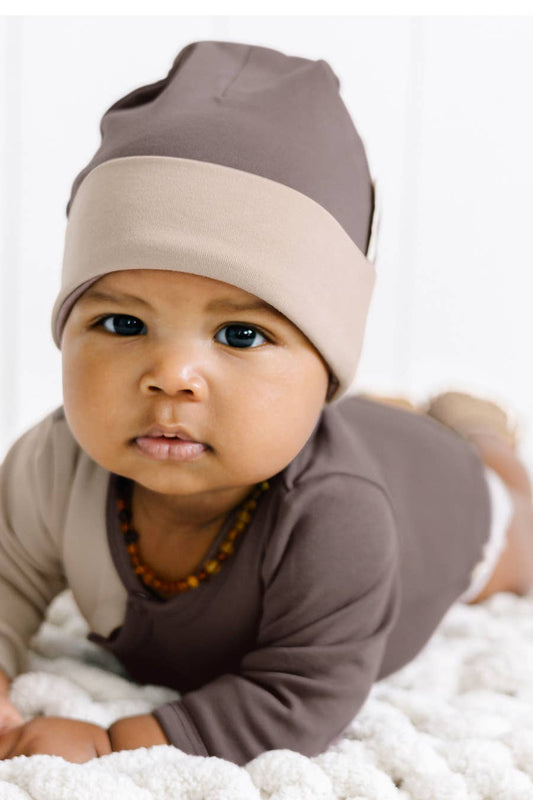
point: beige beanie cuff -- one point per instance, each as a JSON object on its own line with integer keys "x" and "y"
{"x": 157, "y": 212}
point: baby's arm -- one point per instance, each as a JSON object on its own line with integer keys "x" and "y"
{"x": 143, "y": 730}
{"x": 31, "y": 571}
{"x": 33, "y": 496}
{"x": 330, "y": 598}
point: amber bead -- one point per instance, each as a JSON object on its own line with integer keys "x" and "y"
{"x": 211, "y": 567}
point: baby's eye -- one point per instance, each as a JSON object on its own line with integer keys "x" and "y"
{"x": 125, "y": 324}
{"x": 240, "y": 335}
{"x": 236, "y": 335}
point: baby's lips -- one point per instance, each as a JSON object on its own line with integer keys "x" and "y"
{"x": 177, "y": 431}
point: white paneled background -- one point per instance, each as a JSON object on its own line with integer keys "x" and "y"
{"x": 444, "y": 107}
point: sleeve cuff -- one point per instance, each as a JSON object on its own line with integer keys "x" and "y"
{"x": 179, "y": 728}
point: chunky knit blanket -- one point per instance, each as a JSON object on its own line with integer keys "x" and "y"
{"x": 455, "y": 723}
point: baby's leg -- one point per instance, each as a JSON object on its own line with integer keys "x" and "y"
{"x": 487, "y": 426}
{"x": 392, "y": 400}
{"x": 514, "y": 569}
{"x": 469, "y": 415}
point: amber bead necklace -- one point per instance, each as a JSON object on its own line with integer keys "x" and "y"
{"x": 208, "y": 568}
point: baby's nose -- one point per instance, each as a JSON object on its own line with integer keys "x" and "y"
{"x": 174, "y": 370}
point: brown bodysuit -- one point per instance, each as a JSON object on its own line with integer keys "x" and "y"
{"x": 350, "y": 561}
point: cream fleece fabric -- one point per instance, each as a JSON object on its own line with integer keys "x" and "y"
{"x": 454, "y": 724}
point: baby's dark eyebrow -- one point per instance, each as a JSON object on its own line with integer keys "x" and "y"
{"x": 219, "y": 304}
{"x": 94, "y": 295}
{"x": 226, "y": 304}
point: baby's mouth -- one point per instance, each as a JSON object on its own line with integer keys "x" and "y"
{"x": 170, "y": 434}
{"x": 173, "y": 448}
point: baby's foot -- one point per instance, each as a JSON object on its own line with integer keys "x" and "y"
{"x": 487, "y": 426}
{"x": 469, "y": 415}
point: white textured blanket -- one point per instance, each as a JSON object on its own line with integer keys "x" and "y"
{"x": 455, "y": 723}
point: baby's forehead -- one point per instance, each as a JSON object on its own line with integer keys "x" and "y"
{"x": 173, "y": 284}
{"x": 154, "y": 286}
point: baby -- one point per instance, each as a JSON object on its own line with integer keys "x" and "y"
{"x": 231, "y": 522}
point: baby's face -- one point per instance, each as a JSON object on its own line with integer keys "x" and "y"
{"x": 247, "y": 383}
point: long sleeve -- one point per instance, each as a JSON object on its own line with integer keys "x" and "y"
{"x": 331, "y": 595}
{"x": 30, "y": 569}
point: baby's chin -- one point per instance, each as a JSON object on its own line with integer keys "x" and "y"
{"x": 166, "y": 476}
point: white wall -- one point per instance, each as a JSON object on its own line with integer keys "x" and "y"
{"x": 443, "y": 105}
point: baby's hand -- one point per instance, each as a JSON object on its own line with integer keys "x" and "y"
{"x": 73, "y": 739}
{"x": 10, "y": 716}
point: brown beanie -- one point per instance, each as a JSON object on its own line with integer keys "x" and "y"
{"x": 241, "y": 165}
